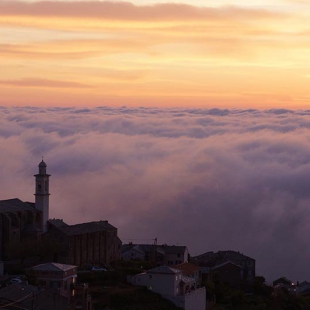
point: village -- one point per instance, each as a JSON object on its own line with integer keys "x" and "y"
{"x": 47, "y": 264}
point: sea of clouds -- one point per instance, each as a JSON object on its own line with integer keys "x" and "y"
{"x": 211, "y": 179}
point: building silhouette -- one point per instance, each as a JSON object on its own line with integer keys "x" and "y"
{"x": 25, "y": 226}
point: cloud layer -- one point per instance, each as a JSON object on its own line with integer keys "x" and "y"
{"x": 212, "y": 179}
{"x": 164, "y": 54}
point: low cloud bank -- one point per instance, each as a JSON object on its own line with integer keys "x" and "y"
{"x": 211, "y": 179}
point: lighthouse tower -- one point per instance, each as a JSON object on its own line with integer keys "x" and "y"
{"x": 42, "y": 194}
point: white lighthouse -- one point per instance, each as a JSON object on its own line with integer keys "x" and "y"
{"x": 42, "y": 194}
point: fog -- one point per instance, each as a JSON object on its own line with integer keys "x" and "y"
{"x": 211, "y": 179}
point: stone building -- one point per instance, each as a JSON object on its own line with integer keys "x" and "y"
{"x": 56, "y": 277}
{"x": 23, "y": 222}
{"x": 232, "y": 261}
{"x": 26, "y": 223}
{"x": 84, "y": 244}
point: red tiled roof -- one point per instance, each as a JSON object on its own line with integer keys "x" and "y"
{"x": 187, "y": 268}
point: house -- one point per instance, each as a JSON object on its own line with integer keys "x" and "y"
{"x": 56, "y": 277}
{"x": 175, "y": 254}
{"x": 171, "y": 284}
{"x": 228, "y": 272}
{"x": 24, "y": 225}
{"x": 135, "y": 252}
{"x": 61, "y": 279}
{"x": 190, "y": 270}
{"x": 283, "y": 282}
{"x": 303, "y": 288}
{"x": 169, "y": 255}
{"x": 213, "y": 260}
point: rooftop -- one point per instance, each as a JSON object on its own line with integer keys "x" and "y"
{"x": 222, "y": 256}
{"x": 91, "y": 227}
{"x": 52, "y": 267}
{"x": 225, "y": 263}
{"x": 187, "y": 268}
{"x": 164, "y": 269}
{"x": 15, "y": 205}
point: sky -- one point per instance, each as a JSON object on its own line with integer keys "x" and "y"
{"x": 197, "y": 53}
{"x": 186, "y": 121}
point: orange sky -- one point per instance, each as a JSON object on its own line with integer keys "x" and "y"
{"x": 220, "y": 53}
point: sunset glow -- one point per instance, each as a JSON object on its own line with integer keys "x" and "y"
{"x": 190, "y": 53}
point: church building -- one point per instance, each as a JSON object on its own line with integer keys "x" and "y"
{"x": 26, "y": 223}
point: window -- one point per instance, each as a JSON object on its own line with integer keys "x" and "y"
{"x": 39, "y": 186}
{"x": 150, "y": 276}
{"x": 65, "y": 285}
{"x": 46, "y": 186}
{"x": 179, "y": 255}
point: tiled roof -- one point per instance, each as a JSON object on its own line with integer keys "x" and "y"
{"x": 225, "y": 263}
{"x": 187, "y": 268}
{"x": 204, "y": 256}
{"x": 234, "y": 256}
{"x": 163, "y": 269}
{"x": 52, "y": 267}
{"x": 15, "y": 204}
{"x": 85, "y": 228}
{"x": 222, "y": 256}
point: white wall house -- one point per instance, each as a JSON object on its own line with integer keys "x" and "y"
{"x": 172, "y": 285}
{"x": 175, "y": 255}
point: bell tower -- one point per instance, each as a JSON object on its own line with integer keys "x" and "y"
{"x": 42, "y": 193}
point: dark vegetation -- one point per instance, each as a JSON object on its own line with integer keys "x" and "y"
{"x": 258, "y": 296}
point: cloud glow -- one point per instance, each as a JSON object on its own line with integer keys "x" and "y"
{"x": 164, "y": 54}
